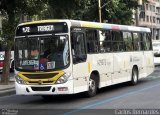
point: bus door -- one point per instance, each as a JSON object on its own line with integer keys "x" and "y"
{"x": 119, "y": 58}
{"x": 79, "y": 56}
{"x": 148, "y": 53}
{"x": 105, "y": 58}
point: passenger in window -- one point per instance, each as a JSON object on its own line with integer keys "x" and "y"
{"x": 34, "y": 54}
{"x": 46, "y": 53}
{"x": 44, "y": 58}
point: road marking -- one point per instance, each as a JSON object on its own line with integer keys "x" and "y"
{"x": 152, "y": 77}
{"x": 87, "y": 102}
{"x": 108, "y": 100}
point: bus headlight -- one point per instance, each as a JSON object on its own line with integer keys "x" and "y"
{"x": 63, "y": 78}
{"x": 19, "y": 80}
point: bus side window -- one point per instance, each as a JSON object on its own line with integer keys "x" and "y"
{"x": 147, "y": 41}
{"x": 105, "y": 41}
{"x": 117, "y": 40}
{"x": 128, "y": 42}
{"x": 78, "y": 47}
{"x": 92, "y": 41}
{"x": 138, "y": 42}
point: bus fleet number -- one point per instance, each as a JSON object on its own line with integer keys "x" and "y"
{"x": 26, "y": 29}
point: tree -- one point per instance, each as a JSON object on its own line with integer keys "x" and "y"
{"x": 11, "y": 11}
{"x": 115, "y": 11}
{"x": 64, "y": 9}
{"x": 121, "y": 11}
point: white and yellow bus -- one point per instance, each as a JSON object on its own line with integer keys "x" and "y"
{"x": 54, "y": 57}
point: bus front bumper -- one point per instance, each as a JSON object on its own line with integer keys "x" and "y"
{"x": 56, "y": 89}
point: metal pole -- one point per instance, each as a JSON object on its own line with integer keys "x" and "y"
{"x": 152, "y": 25}
{"x": 99, "y": 8}
{"x": 137, "y": 17}
{"x": 137, "y": 12}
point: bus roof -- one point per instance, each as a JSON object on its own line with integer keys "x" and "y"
{"x": 87, "y": 24}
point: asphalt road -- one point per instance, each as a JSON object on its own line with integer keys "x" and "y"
{"x": 122, "y": 99}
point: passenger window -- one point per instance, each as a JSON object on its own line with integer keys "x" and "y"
{"x": 127, "y": 37}
{"x": 117, "y": 40}
{"x": 92, "y": 41}
{"x": 78, "y": 47}
{"x": 137, "y": 41}
{"x": 105, "y": 41}
{"x": 147, "y": 41}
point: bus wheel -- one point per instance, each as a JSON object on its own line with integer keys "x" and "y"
{"x": 134, "y": 79}
{"x": 92, "y": 90}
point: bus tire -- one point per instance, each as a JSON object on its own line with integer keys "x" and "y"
{"x": 93, "y": 84}
{"x": 134, "y": 79}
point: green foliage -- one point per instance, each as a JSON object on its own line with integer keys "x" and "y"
{"x": 11, "y": 11}
{"x": 65, "y": 9}
{"x": 119, "y": 11}
{"x": 115, "y": 11}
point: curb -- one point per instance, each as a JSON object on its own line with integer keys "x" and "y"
{"x": 7, "y": 92}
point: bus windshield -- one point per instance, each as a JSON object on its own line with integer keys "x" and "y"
{"x": 41, "y": 53}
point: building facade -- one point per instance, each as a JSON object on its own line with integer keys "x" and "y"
{"x": 149, "y": 16}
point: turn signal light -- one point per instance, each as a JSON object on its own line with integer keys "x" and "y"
{"x": 62, "y": 88}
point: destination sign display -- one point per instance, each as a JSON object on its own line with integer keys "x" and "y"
{"x": 44, "y": 28}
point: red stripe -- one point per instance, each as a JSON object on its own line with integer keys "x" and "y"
{"x": 115, "y": 28}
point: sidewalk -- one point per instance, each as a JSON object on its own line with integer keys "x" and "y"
{"x": 6, "y": 90}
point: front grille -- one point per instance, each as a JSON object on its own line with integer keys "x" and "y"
{"x": 40, "y": 82}
{"x": 40, "y": 76}
{"x": 41, "y": 88}
{"x": 48, "y": 81}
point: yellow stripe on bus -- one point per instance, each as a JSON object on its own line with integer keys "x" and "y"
{"x": 91, "y": 25}
{"x": 89, "y": 67}
{"x": 41, "y": 21}
{"x": 27, "y": 80}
